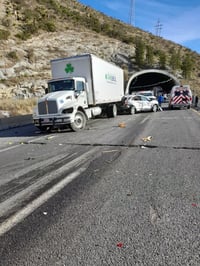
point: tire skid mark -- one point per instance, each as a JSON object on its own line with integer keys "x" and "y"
{"x": 24, "y": 195}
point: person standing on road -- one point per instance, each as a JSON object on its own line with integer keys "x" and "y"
{"x": 196, "y": 101}
{"x": 160, "y": 101}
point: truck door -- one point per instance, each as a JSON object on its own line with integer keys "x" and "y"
{"x": 81, "y": 93}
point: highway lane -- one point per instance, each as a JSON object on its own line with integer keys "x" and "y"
{"x": 134, "y": 202}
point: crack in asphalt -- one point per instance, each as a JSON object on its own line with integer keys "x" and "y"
{"x": 123, "y": 145}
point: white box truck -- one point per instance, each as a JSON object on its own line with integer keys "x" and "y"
{"x": 81, "y": 87}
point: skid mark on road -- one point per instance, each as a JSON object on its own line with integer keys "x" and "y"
{"x": 54, "y": 181}
{"x": 24, "y": 212}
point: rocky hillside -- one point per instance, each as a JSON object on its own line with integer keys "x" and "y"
{"x": 33, "y": 32}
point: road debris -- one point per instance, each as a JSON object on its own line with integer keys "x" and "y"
{"x": 29, "y": 158}
{"x": 119, "y": 244}
{"x": 50, "y": 137}
{"x": 143, "y": 147}
{"x": 146, "y": 139}
{"x": 194, "y": 205}
{"x": 122, "y": 125}
{"x": 153, "y": 215}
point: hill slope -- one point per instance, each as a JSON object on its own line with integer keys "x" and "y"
{"x": 33, "y": 32}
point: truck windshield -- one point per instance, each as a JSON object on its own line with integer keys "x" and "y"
{"x": 61, "y": 85}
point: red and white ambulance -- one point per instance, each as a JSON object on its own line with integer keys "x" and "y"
{"x": 180, "y": 96}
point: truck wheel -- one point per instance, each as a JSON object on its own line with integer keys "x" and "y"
{"x": 79, "y": 122}
{"x": 132, "y": 110}
{"x": 154, "y": 108}
{"x": 112, "y": 110}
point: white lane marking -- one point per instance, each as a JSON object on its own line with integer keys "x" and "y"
{"x": 196, "y": 111}
{"x": 144, "y": 120}
{"x": 10, "y": 148}
{"x": 27, "y": 210}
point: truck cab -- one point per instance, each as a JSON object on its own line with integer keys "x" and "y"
{"x": 77, "y": 85}
{"x": 58, "y": 107}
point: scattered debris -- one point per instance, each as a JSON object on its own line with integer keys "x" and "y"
{"x": 194, "y": 204}
{"x": 146, "y": 139}
{"x": 50, "y": 137}
{"x": 153, "y": 215}
{"x": 119, "y": 244}
{"x": 122, "y": 125}
{"x": 143, "y": 147}
{"x": 29, "y": 158}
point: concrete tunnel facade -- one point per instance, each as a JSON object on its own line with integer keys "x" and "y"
{"x": 150, "y": 79}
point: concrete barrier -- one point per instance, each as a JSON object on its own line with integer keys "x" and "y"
{"x": 15, "y": 121}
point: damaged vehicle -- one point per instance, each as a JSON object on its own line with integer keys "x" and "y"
{"x": 138, "y": 103}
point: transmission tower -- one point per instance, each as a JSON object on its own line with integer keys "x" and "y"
{"x": 158, "y": 28}
{"x": 131, "y": 12}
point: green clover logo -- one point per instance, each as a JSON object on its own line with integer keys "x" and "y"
{"x": 69, "y": 68}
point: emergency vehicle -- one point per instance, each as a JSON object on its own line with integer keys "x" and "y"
{"x": 180, "y": 96}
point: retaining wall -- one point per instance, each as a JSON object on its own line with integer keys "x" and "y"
{"x": 15, "y": 121}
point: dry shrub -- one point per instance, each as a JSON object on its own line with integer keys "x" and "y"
{"x": 18, "y": 106}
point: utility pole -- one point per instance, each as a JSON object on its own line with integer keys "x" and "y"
{"x": 158, "y": 28}
{"x": 131, "y": 12}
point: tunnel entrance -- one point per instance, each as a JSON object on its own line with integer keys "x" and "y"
{"x": 151, "y": 79}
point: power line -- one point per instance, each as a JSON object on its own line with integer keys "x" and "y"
{"x": 131, "y": 12}
{"x": 158, "y": 28}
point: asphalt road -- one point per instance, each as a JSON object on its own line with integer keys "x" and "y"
{"x": 108, "y": 195}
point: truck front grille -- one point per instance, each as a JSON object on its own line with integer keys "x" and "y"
{"x": 47, "y": 107}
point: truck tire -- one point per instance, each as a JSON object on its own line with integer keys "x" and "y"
{"x": 79, "y": 121}
{"x": 112, "y": 110}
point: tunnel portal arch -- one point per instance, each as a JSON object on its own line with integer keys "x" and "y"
{"x": 151, "y": 79}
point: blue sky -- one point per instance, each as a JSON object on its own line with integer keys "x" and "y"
{"x": 179, "y": 19}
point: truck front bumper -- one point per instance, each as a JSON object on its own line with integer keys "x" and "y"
{"x": 54, "y": 122}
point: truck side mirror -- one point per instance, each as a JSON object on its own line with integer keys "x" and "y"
{"x": 46, "y": 90}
